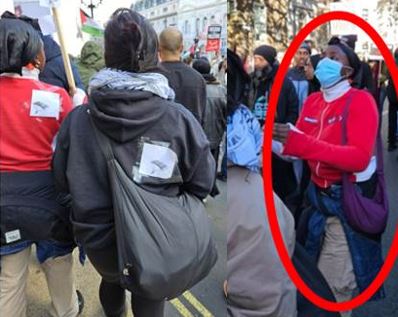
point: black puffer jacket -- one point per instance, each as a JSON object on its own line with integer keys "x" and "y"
{"x": 124, "y": 116}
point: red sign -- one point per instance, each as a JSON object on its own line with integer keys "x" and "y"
{"x": 213, "y": 45}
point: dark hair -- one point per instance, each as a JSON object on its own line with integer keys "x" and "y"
{"x": 202, "y": 66}
{"x": 19, "y": 45}
{"x": 131, "y": 43}
{"x": 352, "y": 57}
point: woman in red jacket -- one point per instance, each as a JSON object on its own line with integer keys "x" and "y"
{"x": 348, "y": 259}
{"x": 31, "y": 113}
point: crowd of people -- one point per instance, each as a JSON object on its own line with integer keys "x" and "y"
{"x": 56, "y": 192}
{"x": 327, "y": 174}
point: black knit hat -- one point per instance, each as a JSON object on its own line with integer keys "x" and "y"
{"x": 353, "y": 58}
{"x": 266, "y": 51}
{"x": 202, "y": 66}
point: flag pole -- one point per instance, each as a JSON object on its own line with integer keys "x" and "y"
{"x": 65, "y": 57}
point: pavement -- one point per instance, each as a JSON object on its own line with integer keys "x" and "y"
{"x": 205, "y": 299}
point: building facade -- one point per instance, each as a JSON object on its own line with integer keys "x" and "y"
{"x": 161, "y": 13}
{"x": 191, "y": 17}
{"x": 380, "y": 17}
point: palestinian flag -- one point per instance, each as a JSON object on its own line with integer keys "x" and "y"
{"x": 90, "y": 26}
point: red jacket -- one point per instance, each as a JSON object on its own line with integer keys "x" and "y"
{"x": 26, "y": 137}
{"x": 320, "y": 142}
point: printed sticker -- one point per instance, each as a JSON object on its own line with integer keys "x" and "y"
{"x": 157, "y": 161}
{"x": 45, "y": 104}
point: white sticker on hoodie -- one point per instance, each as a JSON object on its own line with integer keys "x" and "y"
{"x": 45, "y": 104}
{"x": 157, "y": 161}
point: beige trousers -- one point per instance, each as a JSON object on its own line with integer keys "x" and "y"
{"x": 60, "y": 281}
{"x": 335, "y": 262}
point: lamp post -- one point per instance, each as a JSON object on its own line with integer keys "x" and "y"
{"x": 92, "y": 5}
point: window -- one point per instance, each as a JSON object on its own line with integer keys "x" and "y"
{"x": 197, "y": 26}
{"x": 365, "y": 14}
{"x": 204, "y": 26}
{"x": 186, "y": 26}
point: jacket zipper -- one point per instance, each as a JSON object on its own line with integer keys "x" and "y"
{"x": 318, "y": 137}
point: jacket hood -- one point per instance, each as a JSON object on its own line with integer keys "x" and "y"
{"x": 92, "y": 55}
{"x": 124, "y": 115}
{"x": 51, "y": 48}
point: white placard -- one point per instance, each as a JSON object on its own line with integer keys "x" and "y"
{"x": 45, "y": 104}
{"x": 50, "y": 3}
{"x": 157, "y": 161}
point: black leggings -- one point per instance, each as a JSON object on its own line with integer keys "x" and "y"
{"x": 112, "y": 295}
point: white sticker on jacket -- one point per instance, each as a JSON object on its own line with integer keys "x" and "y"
{"x": 157, "y": 161}
{"x": 310, "y": 120}
{"x": 45, "y": 104}
{"x": 12, "y": 236}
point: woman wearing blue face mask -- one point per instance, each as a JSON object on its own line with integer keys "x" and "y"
{"x": 348, "y": 258}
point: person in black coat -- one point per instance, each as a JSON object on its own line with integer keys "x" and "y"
{"x": 188, "y": 85}
{"x": 266, "y": 66}
{"x": 132, "y": 105}
{"x": 215, "y": 120}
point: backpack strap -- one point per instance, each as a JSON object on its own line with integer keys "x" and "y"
{"x": 103, "y": 141}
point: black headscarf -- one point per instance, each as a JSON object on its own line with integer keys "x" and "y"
{"x": 19, "y": 45}
{"x": 353, "y": 58}
{"x": 238, "y": 81}
{"x": 32, "y": 21}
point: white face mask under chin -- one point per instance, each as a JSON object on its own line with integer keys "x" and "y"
{"x": 332, "y": 93}
{"x": 31, "y": 73}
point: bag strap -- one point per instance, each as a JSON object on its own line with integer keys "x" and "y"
{"x": 379, "y": 145}
{"x": 344, "y": 137}
{"x": 103, "y": 141}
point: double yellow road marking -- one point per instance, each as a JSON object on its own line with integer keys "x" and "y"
{"x": 194, "y": 302}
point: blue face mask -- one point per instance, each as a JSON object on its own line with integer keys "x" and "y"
{"x": 328, "y": 72}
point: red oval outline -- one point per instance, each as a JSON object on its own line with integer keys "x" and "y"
{"x": 268, "y": 190}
